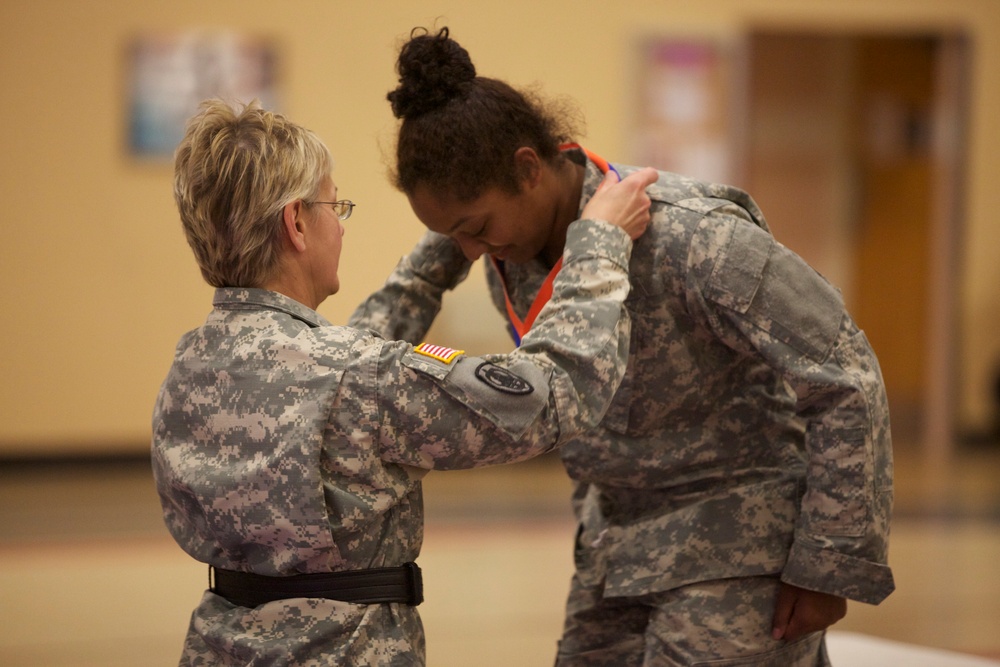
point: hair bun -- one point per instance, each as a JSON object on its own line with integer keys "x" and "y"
{"x": 433, "y": 69}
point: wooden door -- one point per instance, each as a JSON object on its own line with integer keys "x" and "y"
{"x": 844, "y": 152}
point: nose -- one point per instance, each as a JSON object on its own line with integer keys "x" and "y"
{"x": 471, "y": 248}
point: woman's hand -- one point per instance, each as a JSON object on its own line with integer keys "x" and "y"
{"x": 623, "y": 203}
{"x": 799, "y": 611}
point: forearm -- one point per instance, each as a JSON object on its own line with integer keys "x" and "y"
{"x": 583, "y": 331}
{"x": 843, "y": 528}
{"x": 405, "y": 307}
{"x": 476, "y": 411}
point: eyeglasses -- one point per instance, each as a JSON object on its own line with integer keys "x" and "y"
{"x": 343, "y": 208}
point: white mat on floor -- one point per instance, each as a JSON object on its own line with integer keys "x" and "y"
{"x": 849, "y": 649}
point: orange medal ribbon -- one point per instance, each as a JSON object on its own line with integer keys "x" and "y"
{"x": 519, "y": 327}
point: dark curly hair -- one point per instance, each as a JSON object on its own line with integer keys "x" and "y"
{"x": 459, "y": 131}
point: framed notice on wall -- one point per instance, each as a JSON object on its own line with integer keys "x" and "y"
{"x": 170, "y": 74}
{"x": 684, "y": 118}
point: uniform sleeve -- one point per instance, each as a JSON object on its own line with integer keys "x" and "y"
{"x": 464, "y": 412}
{"x": 764, "y": 295}
{"x": 405, "y": 307}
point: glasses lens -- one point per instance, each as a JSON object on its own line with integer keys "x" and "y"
{"x": 343, "y": 208}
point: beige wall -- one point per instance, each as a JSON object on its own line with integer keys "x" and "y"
{"x": 98, "y": 283}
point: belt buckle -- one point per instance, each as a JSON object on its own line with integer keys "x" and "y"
{"x": 414, "y": 584}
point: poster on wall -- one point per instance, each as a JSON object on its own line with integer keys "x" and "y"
{"x": 170, "y": 74}
{"x": 684, "y": 116}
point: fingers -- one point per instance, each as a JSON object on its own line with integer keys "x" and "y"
{"x": 799, "y": 611}
{"x": 639, "y": 225}
{"x": 624, "y": 204}
{"x": 644, "y": 177}
{"x": 610, "y": 178}
{"x": 641, "y": 216}
{"x": 783, "y": 607}
{"x": 794, "y": 630}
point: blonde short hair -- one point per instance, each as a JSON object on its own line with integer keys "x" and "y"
{"x": 234, "y": 171}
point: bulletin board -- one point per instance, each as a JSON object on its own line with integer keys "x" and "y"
{"x": 170, "y": 74}
{"x": 685, "y": 116}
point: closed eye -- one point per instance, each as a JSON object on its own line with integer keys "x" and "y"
{"x": 479, "y": 232}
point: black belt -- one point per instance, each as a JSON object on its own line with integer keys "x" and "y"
{"x": 383, "y": 584}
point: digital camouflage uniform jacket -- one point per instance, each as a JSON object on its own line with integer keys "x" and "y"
{"x": 751, "y": 433}
{"x": 283, "y": 444}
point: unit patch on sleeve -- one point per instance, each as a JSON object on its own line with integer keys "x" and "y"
{"x": 502, "y": 379}
{"x": 441, "y": 353}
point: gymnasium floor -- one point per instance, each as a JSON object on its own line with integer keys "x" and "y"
{"x": 89, "y": 577}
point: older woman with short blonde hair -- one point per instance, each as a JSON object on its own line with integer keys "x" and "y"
{"x": 234, "y": 173}
{"x": 288, "y": 451}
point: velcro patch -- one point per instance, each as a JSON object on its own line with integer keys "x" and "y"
{"x": 439, "y": 352}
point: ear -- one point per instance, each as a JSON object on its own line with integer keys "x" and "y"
{"x": 294, "y": 227}
{"x": 528, "y": 166}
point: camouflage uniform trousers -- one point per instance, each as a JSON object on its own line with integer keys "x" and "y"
{"x": 725, "y": 623}
{"x": 303, "y": 632}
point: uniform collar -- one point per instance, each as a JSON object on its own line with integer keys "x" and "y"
{"x": 592, "y": 176}
{"x": 249, "y": 298}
